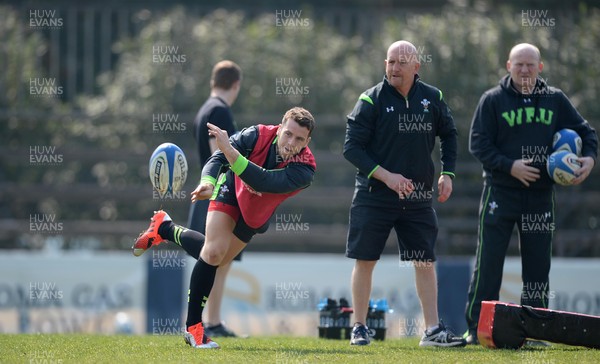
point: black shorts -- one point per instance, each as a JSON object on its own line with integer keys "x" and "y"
{"x": 370, "y": 228}
{"x": 226, "y": 201}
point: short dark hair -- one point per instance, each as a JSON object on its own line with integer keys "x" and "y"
{"x": 302, "y": 116}
{"x": 225, "y": 74}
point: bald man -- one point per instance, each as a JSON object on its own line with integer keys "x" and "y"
{"x": 511, "y": 135}
{"x": 390, "y": 136}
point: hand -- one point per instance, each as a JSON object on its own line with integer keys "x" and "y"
{"x": 587, "y": 163}
{"x": 524, "y": 172}
{"x": 401, "y": 185}
{"x": 395, "y": 182}
{"x": 220, "y": 135}
{"x": 444, "y": 188}
{"x": 202, "y": 192}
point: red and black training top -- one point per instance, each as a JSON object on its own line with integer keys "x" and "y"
{"x": 265, "y": 180}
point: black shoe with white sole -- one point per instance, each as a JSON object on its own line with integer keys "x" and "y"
{"x": 360, "y": 335}
{"x": 441, "y": 337}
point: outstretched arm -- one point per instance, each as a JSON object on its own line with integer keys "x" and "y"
{"x": 293, "y": 177}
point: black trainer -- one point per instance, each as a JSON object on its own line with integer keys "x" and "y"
{"x": 360, "y": 335}
{"x": 219, "y": 330}
{"x": 441, "y": 337}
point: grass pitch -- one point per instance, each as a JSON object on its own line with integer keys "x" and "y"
{"x": 76, "y": 348}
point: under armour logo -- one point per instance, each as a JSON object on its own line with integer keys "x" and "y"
{"x": 528, "y": 100}
{"x": 389, "y": 109}
{"x": 547, "y": 214}
{"x": 493, "y": 206}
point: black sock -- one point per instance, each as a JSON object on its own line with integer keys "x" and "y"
{"x": 190, "y": 240}
{"x": 201, "y": 282}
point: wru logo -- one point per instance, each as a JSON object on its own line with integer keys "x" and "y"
{"x": 543, "y": 116}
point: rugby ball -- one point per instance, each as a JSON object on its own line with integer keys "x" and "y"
{"x": 168, "y": 169}
{"x": 567, "y": 139}
{"x": 561, "y": 166}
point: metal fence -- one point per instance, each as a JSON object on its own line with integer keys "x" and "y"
{"x": 81, "y": 37}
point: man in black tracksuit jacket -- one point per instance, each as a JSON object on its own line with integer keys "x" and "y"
{"x": 511, "y": 135}
{"x": 390, "y": 136}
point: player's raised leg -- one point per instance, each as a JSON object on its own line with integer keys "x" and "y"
{"x": 163, "y": 229}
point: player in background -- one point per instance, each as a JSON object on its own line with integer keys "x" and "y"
{"x": 511, "y": 135}
{"x": 225, "y": 85}
{"x": 251, "y": 174}
{"x": 390, "y": 136}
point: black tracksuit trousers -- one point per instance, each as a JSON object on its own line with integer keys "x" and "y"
{"x": 532, "y": 210}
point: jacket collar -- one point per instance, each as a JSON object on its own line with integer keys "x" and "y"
{"x": 506, "y": 84}
{"x": 395, "y": 92}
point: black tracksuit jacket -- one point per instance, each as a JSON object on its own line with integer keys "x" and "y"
{"x": 386, "y": 129}
{"x": 508, "y": 125}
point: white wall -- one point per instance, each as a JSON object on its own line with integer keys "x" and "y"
{"x": 267, "y": 294}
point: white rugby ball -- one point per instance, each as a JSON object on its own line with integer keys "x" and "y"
{"x": 567, "y": 139}
{"x": 561, "y": 166}
{"x": 168, "y": 169}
